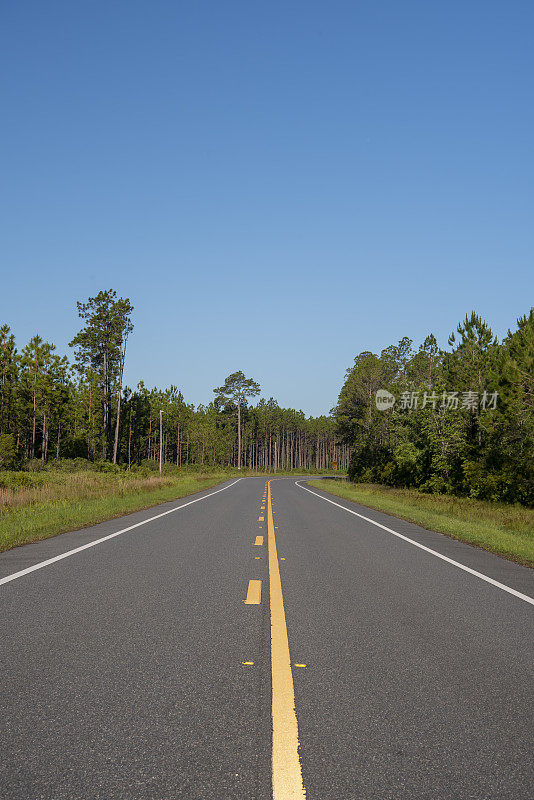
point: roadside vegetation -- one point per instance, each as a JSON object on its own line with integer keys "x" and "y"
{"x": 71, "y": 494}
{"x": 504, "y": 529}
{"x": 455, "y": 422}
{"x": 37, "y": 506}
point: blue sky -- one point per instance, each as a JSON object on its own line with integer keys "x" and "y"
{"x": 275, "y": 186}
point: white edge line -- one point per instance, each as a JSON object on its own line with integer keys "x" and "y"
{"x": 486, "y": 578}
{"x": 48, "y": 561}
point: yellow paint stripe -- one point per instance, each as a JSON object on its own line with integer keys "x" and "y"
{"x": 254, "y": 593}
{"x": 287, "y": 771}
{"x": 260, "y": 519}
{"x": 259, "y": 540}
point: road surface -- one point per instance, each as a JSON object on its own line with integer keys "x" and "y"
{"x": 261, "y": 640}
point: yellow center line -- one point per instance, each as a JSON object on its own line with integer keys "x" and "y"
{"x": 253, "y": 594}
{"x": 287, "y": 770}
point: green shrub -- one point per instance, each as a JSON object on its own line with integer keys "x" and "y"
{"x": 14, "y": 480}
{"x": 8, "y": 451}
{"x": 407, "y": 464}
{"x": 70, "y": 464}
{"x": 105, "y": 466}
{"x": 34, "y": 465}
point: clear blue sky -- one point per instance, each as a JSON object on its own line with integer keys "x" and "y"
{"x": 276, "y": 186}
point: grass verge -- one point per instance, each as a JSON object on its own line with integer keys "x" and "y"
{"x": 507, "y": 530}
{"x": 35, "y": 506}
{"x": 87, "y": 499}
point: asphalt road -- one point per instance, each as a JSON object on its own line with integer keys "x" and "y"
{"x": 134, "y": 669}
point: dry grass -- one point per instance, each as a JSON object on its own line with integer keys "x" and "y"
{"x": 77, "y": 486}
{"x": 58, "y": 502}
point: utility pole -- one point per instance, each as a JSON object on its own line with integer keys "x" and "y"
{"x": 160, "y": 439}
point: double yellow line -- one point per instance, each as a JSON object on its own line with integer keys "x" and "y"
{"x": 287, "y": 770}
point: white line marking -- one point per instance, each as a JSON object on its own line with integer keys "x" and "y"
{"x": 493, "y": 582}
{"x": 42, "y": 564}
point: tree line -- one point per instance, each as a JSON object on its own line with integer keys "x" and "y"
{"x": 52, "y": 408}
{"x": 459, "y": 421}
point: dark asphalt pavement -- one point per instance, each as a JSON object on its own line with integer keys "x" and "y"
{"x": 121, "y": 666}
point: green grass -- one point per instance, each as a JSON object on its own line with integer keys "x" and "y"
{"x": 69, "y": 502}
{"x": 507, "y": 530}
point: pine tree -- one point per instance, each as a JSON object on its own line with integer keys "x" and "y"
{"x": 235, "y": 390}
{"x": 101, "y": 347}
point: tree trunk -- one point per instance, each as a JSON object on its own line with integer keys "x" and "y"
{"x": 34, "y": 407}
{"x": 43, "y": 446}
{"x": 160, "y": 440}
{"x": 130, "y": 443}
{"x": 105, "y": 408}
{"x": 90, "y": 439}
{"x": 239, "y": 434}
{"x": 116, "y": 442}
